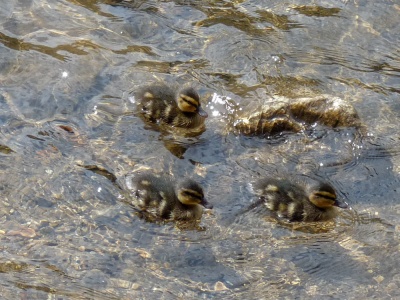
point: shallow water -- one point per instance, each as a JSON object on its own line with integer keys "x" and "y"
{"x": 68, "y": 69}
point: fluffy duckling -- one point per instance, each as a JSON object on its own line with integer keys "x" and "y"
{"x": 299, "y": 200}
{"x": 157, "y": 194}
{"x": 161, "y": 103}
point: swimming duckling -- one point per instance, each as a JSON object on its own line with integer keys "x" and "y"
{"x": 299, "y": 200}
{"x": 161, "y": 103}
{"x": 158, "y": 195}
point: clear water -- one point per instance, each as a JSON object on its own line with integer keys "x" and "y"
{"x": 67, "y": 70}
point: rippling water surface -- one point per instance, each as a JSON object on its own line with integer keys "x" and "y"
{"x": 69, "y": 136}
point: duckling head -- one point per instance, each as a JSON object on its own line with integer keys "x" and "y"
{"x": 189, "y": 192}
{"x": 189, "y": 101}
{"x": 323, "y": 195}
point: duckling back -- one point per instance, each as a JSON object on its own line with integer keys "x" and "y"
{"x": 163, "y": 104}
{"x": 295, "y": 199}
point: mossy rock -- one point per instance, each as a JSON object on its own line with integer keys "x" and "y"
{"x": 282, "y": 114}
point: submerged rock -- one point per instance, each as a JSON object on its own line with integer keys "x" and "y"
{"x": 282, "y": 114}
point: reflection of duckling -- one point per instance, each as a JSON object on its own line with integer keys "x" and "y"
{"x": 299, "y": 200}
{"x": 157, "y": 194}
{"x": 162, "y": 103}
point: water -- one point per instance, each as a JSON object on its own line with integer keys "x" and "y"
{"x": 68, "y": 69}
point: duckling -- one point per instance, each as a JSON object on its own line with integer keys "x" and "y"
{"x": 161, "y": 103}
{"x": 158, "y": 195}
{"x": 299, "y": 200}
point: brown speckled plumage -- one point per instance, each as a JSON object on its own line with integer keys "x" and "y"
{"x": 298, "y": 200}
{"x": 158, "y": 194}
{"x": 161, "y": 103}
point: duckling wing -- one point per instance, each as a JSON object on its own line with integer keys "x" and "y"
{"x": 155, "y": 194}
{"x": 282, "y": 196}
{"x": 153, "y": 101}
{"x": 146, "y": 189}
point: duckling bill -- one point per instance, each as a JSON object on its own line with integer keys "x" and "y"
{"x": 299, "y": 200}
{"x": 160, "y": 196}
{"x": 163, "y": 104}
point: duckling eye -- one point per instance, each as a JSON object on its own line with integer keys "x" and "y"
{"x": 193, "y": 195}
{"x": 323, "y": 199}
{"x": 326, "y": 195}
{"x": 190, "y": 197}
{"x": 188, "y": 103}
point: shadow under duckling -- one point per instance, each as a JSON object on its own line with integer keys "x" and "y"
{"x": 163, "y": 104}
{"x": 299, "y": 199}
{"x": 158, "y": 195}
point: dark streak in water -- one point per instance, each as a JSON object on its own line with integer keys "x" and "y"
{"x": 317, "y": 11}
